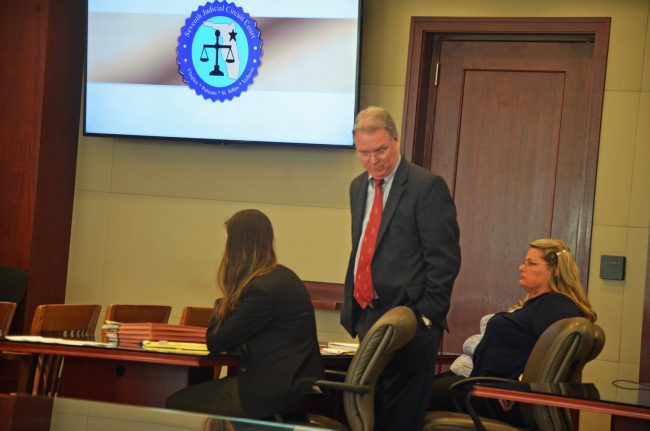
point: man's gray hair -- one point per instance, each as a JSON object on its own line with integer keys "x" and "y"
{"x": 374, "y": 118}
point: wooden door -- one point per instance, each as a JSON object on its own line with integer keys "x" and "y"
{"x": 509, "y": 126}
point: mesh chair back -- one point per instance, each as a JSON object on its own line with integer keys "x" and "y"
{"x": 13, "y": 284}
{"x": 559, "y": 357}
{"x": 75, "y": 321}
{"x": 138, "y": 313}
{"x": 7, "y": 310}
{"x": 196, "y": 316}
{"x": 390, "y": 333}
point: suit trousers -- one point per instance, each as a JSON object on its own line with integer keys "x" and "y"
{"x": 215, "y": 397}
{"x": 404, "y": 388}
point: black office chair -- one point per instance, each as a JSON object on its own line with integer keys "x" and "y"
{"x": 7, "y": 310}
{"x": 13, "y": 284}
{"x": 390, "y": 333}
{"x": 559, "y": 356}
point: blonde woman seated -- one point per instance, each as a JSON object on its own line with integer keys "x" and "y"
{"x": 267, "y": 317}
{"x": 550, "y": 277}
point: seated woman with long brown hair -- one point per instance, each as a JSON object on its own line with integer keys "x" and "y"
{"x": 267, "y": 317}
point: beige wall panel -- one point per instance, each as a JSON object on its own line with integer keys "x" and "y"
{"x": 68, "y": 422}
{"x": 627, "y": 372}
{"x": 239, "y": 173}
{"x": 645, "y": 85}
{"x": 163, "y": 250}
{"x": 166, "y": 250}
{"x": 602, "y": 373}
{"x": 626, "y": 44}
{"x": 594, "y": 421}
{"x": 94, "y": 163}
{"x": 87, "y": 247}
{"x": 606, "y": 296}
{"x": 386, "y": 26}
{"x": 314, "y": 242}
{"x": 390, "y": 97}
{"x": 632, "y": 318}
{"x": 616, "y": 157}
{"x": 640, "y": 200}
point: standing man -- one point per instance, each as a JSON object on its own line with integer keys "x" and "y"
{"x": 405, "y": 251}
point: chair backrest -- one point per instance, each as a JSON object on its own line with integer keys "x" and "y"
{"x": 13, "y": 284}
{"x": 559, "y": 356}
{"x": 76, "y": 321}
{"x": 196, "y": 316}
{"x": 391, "y": 332}
{"x": 138, "y": 313}
{"x": 7, "y": 310}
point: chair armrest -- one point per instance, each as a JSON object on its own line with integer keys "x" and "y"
{"x": 464, "y": 387}
{"x": 335, "y": 373}
{"x": 342, "y": 386}
{"x": 471, "y": 381}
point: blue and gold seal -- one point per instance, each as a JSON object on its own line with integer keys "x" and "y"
{"x": 219, "y": 51}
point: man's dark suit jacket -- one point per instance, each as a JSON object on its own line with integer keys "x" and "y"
{"x": 417, "y": 254}
{"x": 274, "y": 330}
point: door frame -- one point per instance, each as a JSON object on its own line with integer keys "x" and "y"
{"x": 420, "y": 91}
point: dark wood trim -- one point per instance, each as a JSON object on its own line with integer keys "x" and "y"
{"x": 604, "y": 407}
{"x": 24, "y": 412}
{"x": 325, "y": 296}
{"x": 644, "y": 360}
{"x": 135, "y": 355}
{"x": 425, "y": 35}
{"x": 40, "y": 87}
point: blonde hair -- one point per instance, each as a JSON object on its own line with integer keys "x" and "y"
{"x": 565, "y": 275}
{"x": 374, "y": 118}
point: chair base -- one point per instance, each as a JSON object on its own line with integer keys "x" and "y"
{"x": 449, "y": 421}
{"x": 319, "y": 421}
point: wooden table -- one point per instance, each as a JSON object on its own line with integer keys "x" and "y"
{"x": 135, "y": 377}
{"x": 145, "y": 378}
{"x": 579, "y": 396}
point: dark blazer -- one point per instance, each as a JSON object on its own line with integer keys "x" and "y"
{"x": 417, "y": 254}
{"x": 274, "y": 330}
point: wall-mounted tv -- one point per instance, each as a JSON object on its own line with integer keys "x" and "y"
{"x": 254, "y": 71}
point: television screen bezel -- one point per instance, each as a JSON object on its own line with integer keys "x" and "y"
{"x": 224, "y": 142}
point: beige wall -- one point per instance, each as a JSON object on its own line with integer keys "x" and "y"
{"x": 148, "y": 215}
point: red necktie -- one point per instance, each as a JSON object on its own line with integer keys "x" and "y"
{"x": 363, "y": 289}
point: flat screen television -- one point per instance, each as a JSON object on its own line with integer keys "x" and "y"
{"x": 282, "y": 72}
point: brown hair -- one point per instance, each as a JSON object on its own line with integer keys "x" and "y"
{"x": 249, "y": 253}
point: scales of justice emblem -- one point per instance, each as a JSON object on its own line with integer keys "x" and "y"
{"x": 229, "y": 58}
{"x": 219, "y": 51}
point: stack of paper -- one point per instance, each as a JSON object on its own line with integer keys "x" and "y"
{"x": 339, "y": 348}
{"x": 133, "y": 334}
{"x": 199, "y": 349}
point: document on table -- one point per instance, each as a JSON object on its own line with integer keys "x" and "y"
{"x": 339, "y": 348}
{"x": 183, "y": 348}
{"x": 54, "y": 340}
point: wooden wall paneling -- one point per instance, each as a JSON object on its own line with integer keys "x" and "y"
{"x": 438, "y": 134}
{"x": 40, "y": 94}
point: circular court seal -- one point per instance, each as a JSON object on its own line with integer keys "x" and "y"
{"x": 219, "y": 51}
